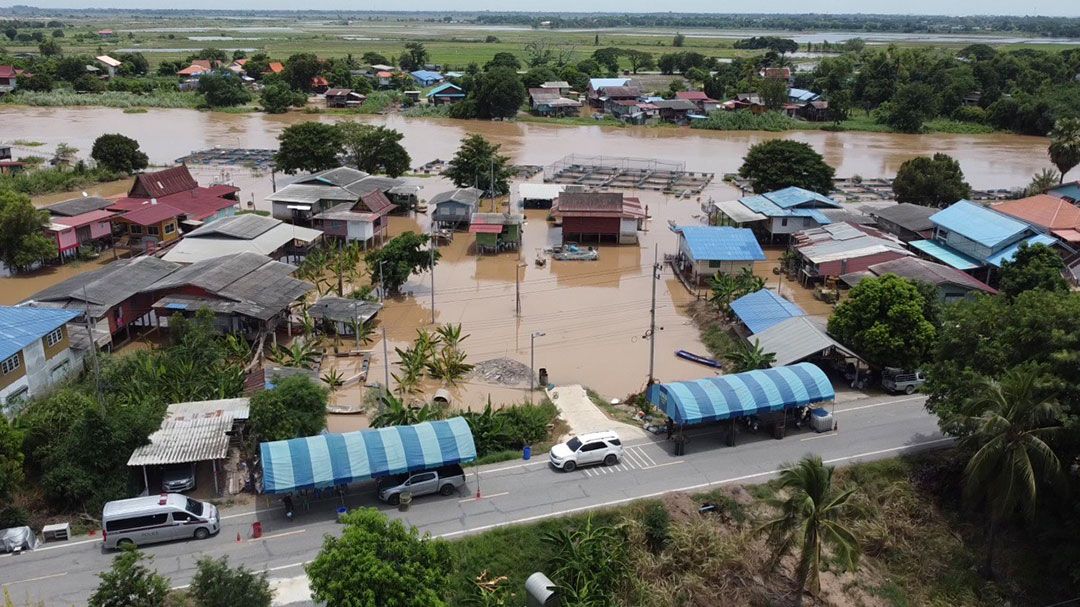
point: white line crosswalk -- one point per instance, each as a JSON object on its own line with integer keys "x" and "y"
{"x": 633, "y": 458}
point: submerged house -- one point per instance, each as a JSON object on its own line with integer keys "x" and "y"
{"x": 597, "y": 94}
{"x": 79, "y": 224}
{"x": 840, "y": 248}
{"x": 247, "y": 233}
{"x": 776, "y": 214}
{"x": 344, "y": 313}
{"x": 706, "y": 250}
{"x": 550, "y": 102}
{"x": 906, "y": 221}
{"x": 952, "y": 284}
{"x": 308, "y": 196}
{"x": 364, "y": 221}
{"x": 176, "y": 188}
{"x": 36, "y": 353}
{"x": 496, "y": 232}
{"x": 598, "y": 216}
{"x": 454, "y": 209}
{"x": 343, "y": 98}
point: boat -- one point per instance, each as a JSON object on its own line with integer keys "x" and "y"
{"x": 574, "y": 253}
{"x": 701, "y": 360}
{"x": 421, "y": 207}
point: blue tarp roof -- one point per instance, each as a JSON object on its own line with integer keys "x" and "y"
{"x": 713, "y": 243}
{"x": 802, "y": 95}
{"x": 21, "y": 326}
{"x": 978, "y": 223}
{"x": 762, "y": 309}
{"x": 742, "y": 394}
{"x": 1008, "y": 253}
{"x": 339, "y": 459}
{"x": 946, "y": 255}
{"x": 425, "y": 75}
{"x": 1068, "y": 190}
{"x": 442, "y": 88}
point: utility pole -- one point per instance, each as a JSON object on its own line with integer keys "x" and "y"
{"x": 382, "y": 283}
{"x": 93, "y": 348}
{"x": 532, "y": 361}
{"x": 356, "y": 323}
{"x": 431, "y": 250}
{"x": 517, "y": 287}
{"x": 652, "y": 314}
{"x": 386, "y": 362}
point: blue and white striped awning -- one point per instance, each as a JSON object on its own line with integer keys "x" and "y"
{"x": 742, "y": 394}
{"x": 327, "y": 460}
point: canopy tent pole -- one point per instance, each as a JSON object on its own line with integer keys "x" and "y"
{"x": 145, "y": 481}
{"x": 217, "y": 491}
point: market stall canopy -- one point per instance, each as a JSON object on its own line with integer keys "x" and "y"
{"x": 742, "y": 394}
{"x": 328, "y": 460}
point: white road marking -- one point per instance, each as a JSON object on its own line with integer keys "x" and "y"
{"x": 745, "y": 477}
{"x": 891, "y": 402}
{"x": 681, "y": 461}
{"x": 34, "y": 579}
{"x": 277, "y": 535}
{"x": 648, "y": 458}
{"x": 482, "y": 496}
{"x": 634, "y": 458}
{"x": 825, "y": 435}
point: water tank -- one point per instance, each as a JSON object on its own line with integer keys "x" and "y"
{"x": 539, "y": 591}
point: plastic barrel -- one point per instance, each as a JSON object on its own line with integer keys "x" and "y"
{"x": 526, "y": 453}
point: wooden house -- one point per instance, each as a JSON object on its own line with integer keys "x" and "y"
{"x": 599, "y": 217}
{"x": 496, "y": 232}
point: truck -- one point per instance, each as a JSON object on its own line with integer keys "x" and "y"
{"x": 897, "y": 380}
{"x": 446, "y": 480}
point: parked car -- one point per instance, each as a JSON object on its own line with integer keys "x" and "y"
{"x": 587, "y": 449}
{"x": 177, "y": 478}
{"x": 146, "y": 520}
{"x": 897, "y": 380}
{"x": 444, "y": 481}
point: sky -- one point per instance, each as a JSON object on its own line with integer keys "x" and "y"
{"x": 1069, "y": 8}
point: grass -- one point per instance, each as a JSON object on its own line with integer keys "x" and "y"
{"x": 117, "y": 99}
{"x": 613, "y": 412}
{"x": 27, "y": 144}
{"x": 48, "y": 181}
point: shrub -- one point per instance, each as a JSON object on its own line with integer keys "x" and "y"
{"x": 746, "y": 121}
{"x": 969, "y": 113}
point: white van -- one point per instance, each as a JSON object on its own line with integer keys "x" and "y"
{"x": 146, "y": 520}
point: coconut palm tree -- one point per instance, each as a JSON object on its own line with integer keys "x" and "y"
{"x": 1065, "y": 145}
{"x": 749, "y": 358}
{"x": 1042, "y": 181}
{"x": 1013, "y": 457}
{"x": 811, "y": 519}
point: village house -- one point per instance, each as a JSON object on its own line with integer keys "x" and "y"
{"x": 777, "y": 73}
{"x": 446, "y": 93}
{"x": 779, "y": 213}
{"x": 598, "y": 93}
{"x": 454, "y": 209}
{"x": 906, "y": 221}
{"x": 952, "y": 284}
{"x": 299, "y": 201}
{"x": 176, "y": 187}
{"x": 703, "y": 102}
{"x": 364, "y": 221}
{"x": 36, "y": 353}
{"x": 539, "y": 195}
{"x": 762, "y": 309}
{"x": 274, "y": 67}
{"x": 706, "y": 250}
{"x": 496, "y": 232}
{"x": 561, "y": 87}
{"x": 106, "y": 34}
{"x": 343, "y": 98}
{"x": 108, "y": 64}
{"x": 8, "y": 78}
{"x": 197, "y": 68}
{"x": 627, "y": 110}
{"x": 970, "y": 237}
{"x": 675, "y": 111}
{"x": 840, "y": 248}
{"x": 598, "y": 216}
{"x": 1047, "y": 214}
{"x": 80, "y": 224}
{"x": 384, "y": 79}
{"x": 148, "y": 228}
{"x": 1068, "y": 191}
{"x": 7, "y": 165}
{"x": 342, "y": 313}
{"x": 549, "y": 102}
{"x": 426, "y": 78}
{"x": 248, "y": 233}
{"x": 319, "y": 85}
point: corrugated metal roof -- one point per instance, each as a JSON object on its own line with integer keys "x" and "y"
{"x": 1068, "y": 190}
{"x": 599, "y": 83}
{"x": 189, "y": 440}
{"x": 946, "y": 255}
{"x": 426, "y": 75}
{"x": 921, "y": 270}
{"x": 78, "y": 206}
{"x": 762, "y": 309}
{"x": 1009, "y": 252}
{"x": 109, "y": 286}
{"x": 231, "y": 236}
{"x": 448, "y": 89}
{"x": 978, "y": 223}
{"x": 738, "y": 212}
{"x": 22, "y": 326}
{"x": 238, "y": 408}
{"x": 340, "y": 309}
{"x": 540, "y": 191}
{"x": 794, "y": 340}
{"x": 468, "y": 196}
{"x": 795, "y": 196}
{"x": 151, "y": 214}
{"x": 716, "y": 243}
{"x": 914, "y": 217}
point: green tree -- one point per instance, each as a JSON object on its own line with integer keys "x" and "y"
{"x": 773, "y": 92}
{"x": 414, "y": 58}
{"x": 257, "y": 65}
{"x": 932, "y": 182}
{"x": 300, "y": 68}
{"x": 374, "y": 149}
{"x": 11, "y": 473}
{"x": 1064, "y": 147}
{"x": 497, "y": 93}
{"x": 118, "y": 154}
{"x": 750, "y": 357}
{"x": 884, "y": 320}
{"x": 42, "y": 83}
{"x": 640, "y": 60}
{"x": 221, "y": 89}
{"x": 295, "y": 407}
{"x": 812, "y": 519}
{"x": 478, "y": 163}
{"x": 378, "y": 562}
{"x": 398, "y": 259}
{"x": 1013, "y": 457}
{"x": 308, "y": 146}
{"x": 72, "y": 67}
{"x": 277, "y": 98}
{"x": 910, "y": 107}
{"x": 373, "y": 58}
{"x": 130, "y": 584}
{"x": 1042, "y": 181}
{"x": 22, "y": 243}
{"x": 537, "y": 76}
{"x": 780, "y": 163}
{"x": 1033, "y": 267}
{"x": 215, "y": 584}
{"x": 608, "y": 59}
{"x": 50, "y": 47}
{"x": 678, "y": 41}
{"x": 503, "y": 59}
{"x": 575, "y": 78}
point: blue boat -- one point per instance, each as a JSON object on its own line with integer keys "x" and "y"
{"x": 701, "y": 360}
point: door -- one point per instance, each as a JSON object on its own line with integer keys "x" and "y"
{"x": 181, "y": 526}
{"x": 591, "y": 453}
{"x": 423, "y": 483}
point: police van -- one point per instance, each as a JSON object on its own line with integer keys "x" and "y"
{"x": 146, "y": 520}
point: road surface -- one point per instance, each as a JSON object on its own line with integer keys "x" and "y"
{"x": 511, "y": 493}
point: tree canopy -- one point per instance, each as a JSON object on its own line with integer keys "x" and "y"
{"x": 780, "y": 163}
{"x": 496, "y": 93}
{"x": 478, "y": 163}
{"x": 215, "y": 584}
{"x": 1064, "y": 147}
{"x": 909, "y": 108}
{"x": 300, "y": 69}
{"x": 374, "y": 149}
{"x": 22, "y": 243}
{"x": 277, "y": 98}
{"x": 378, "y": 562}
{"x": 884, "y": 321}
{"x": 308, "y": 146}
{"x": 414, "y": 58}
{"x": 295, "y": 407}
{"x": 129, "y": 583}
{"x": 222, "y": 89}
{"x": 403, "y": 256}
{"x": 932, "y": 182}
{"x": 1033, "y": 267}
{"x": 118, "y": 153}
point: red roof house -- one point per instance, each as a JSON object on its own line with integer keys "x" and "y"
{"x": 1054, "y": 215}
{"x": 176, "y": 188}
{"x": 275, "y": 67}
{"x": 197, "y": 67}
{"x": 599, "y": 216}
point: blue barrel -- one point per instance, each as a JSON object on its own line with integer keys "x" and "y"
{"x": 526, "y": 453}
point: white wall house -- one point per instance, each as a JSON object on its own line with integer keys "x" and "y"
{"x": 35, "y": 353}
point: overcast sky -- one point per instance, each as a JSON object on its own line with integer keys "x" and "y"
{"x": 932, "y": 7}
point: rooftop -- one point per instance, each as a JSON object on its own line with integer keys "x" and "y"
{"x": 762, "y": 309}
{"x": 468, "y": 196}
{"x": 978, "y": 223}
{"x": 84, "y": 219}
{"x": 247, "y": 233}
{"x": 1067, "y": 190}
{"x": 106, "y": 287}
{"x": 713, "y": 243}
{"x": 599, "y": 83}
{"x": 341, "y": 309}
{"x": 426, "y": 75}
{"x": 922, "y": 270}
{"x": 78, "y": 206}
{"x": 794, "y": 340}
{"x": 1045, "y": 211}
{"x": 151, "y": 214}
{"x": 597, "y": 204}
{"x": 447, "y": 88}
{"x": 844, "y": 241}
{"x": 914, "y": 217}
{"x": 21, "y": 326}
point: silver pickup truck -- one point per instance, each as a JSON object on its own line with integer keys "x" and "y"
{"x": 896, "y": 380}
{"x": 444, "y": 481}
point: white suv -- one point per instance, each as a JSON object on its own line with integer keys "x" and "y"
{"x": 594, "y": 448}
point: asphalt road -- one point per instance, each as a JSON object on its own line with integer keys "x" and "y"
{"x": 511, "y": 493}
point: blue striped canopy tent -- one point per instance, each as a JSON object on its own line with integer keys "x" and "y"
{"x": 741, "y": 394}
{"x": 327, "y": 460}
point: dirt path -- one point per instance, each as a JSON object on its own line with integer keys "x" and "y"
{"x": 582, "y": 416}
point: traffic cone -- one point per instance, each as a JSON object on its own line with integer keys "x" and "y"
{"x": 238, "y": 540}
{"x": 478, "y": 492}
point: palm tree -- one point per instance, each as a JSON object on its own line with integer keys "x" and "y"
{"x": 811, "y": 517}
{"x": 1042, "y": 181}
{"x": 1065, "y": 145}
{"x": 749, "y": 358}
{"x": 396, "y": 413}
{"x": 1013, "y": 455}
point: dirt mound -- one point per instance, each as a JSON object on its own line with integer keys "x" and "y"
{"x": 680, "y": 507}
{"x": 502, "y": 371}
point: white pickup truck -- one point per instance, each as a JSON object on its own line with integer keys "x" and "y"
{"x": 444, "y": 481}
{"x": 897, "y": 380}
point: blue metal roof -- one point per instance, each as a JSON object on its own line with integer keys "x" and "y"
{"x": 22, "y": 326}
{"x": 715, "y": 243}
{"x": 762, "y": 309}
{"x": 328, "y": 460}
{"x": 946, "y": 255}
{"x": 1068, "y": 190}
{"x": 426, "y": 76}
{"x": 599, "y": 83}
{"x": 1009, "y": 252}
{"x": 978, "y": 223}
{"x": 445, "y": 86}
{"x": 760, "y": 203}
{"x": 802, "y": 95}
{"x": 742, "y": 394}
{"x": 795, "y": 197}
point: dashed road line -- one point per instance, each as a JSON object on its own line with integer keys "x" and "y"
{"x": 35, "y": 579}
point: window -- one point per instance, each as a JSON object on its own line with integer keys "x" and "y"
{"x": 783, "y": 221}
{"x": 10, "y": 364}
{"x": 422, "y": 478}
{"x": 60, "y": 371}
{"x": 574, "y": 444}
{"x": 179, "y": 517}
{"x": 615, "y": 442}
{"x": 54, "y": 337}
{"x": 593, "y": 446}
{"x": 716, "y": 263}
{"x": 136, "y": 522}
{"x": 195, "y": 507}
{"x": 18, "y": 397}
{"x": 170, "y": 228}
{"x": 153, "y": 230}
{"x": 135, "y": 228}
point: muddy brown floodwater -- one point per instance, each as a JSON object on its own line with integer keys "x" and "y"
{"x": 594, "y": 315}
